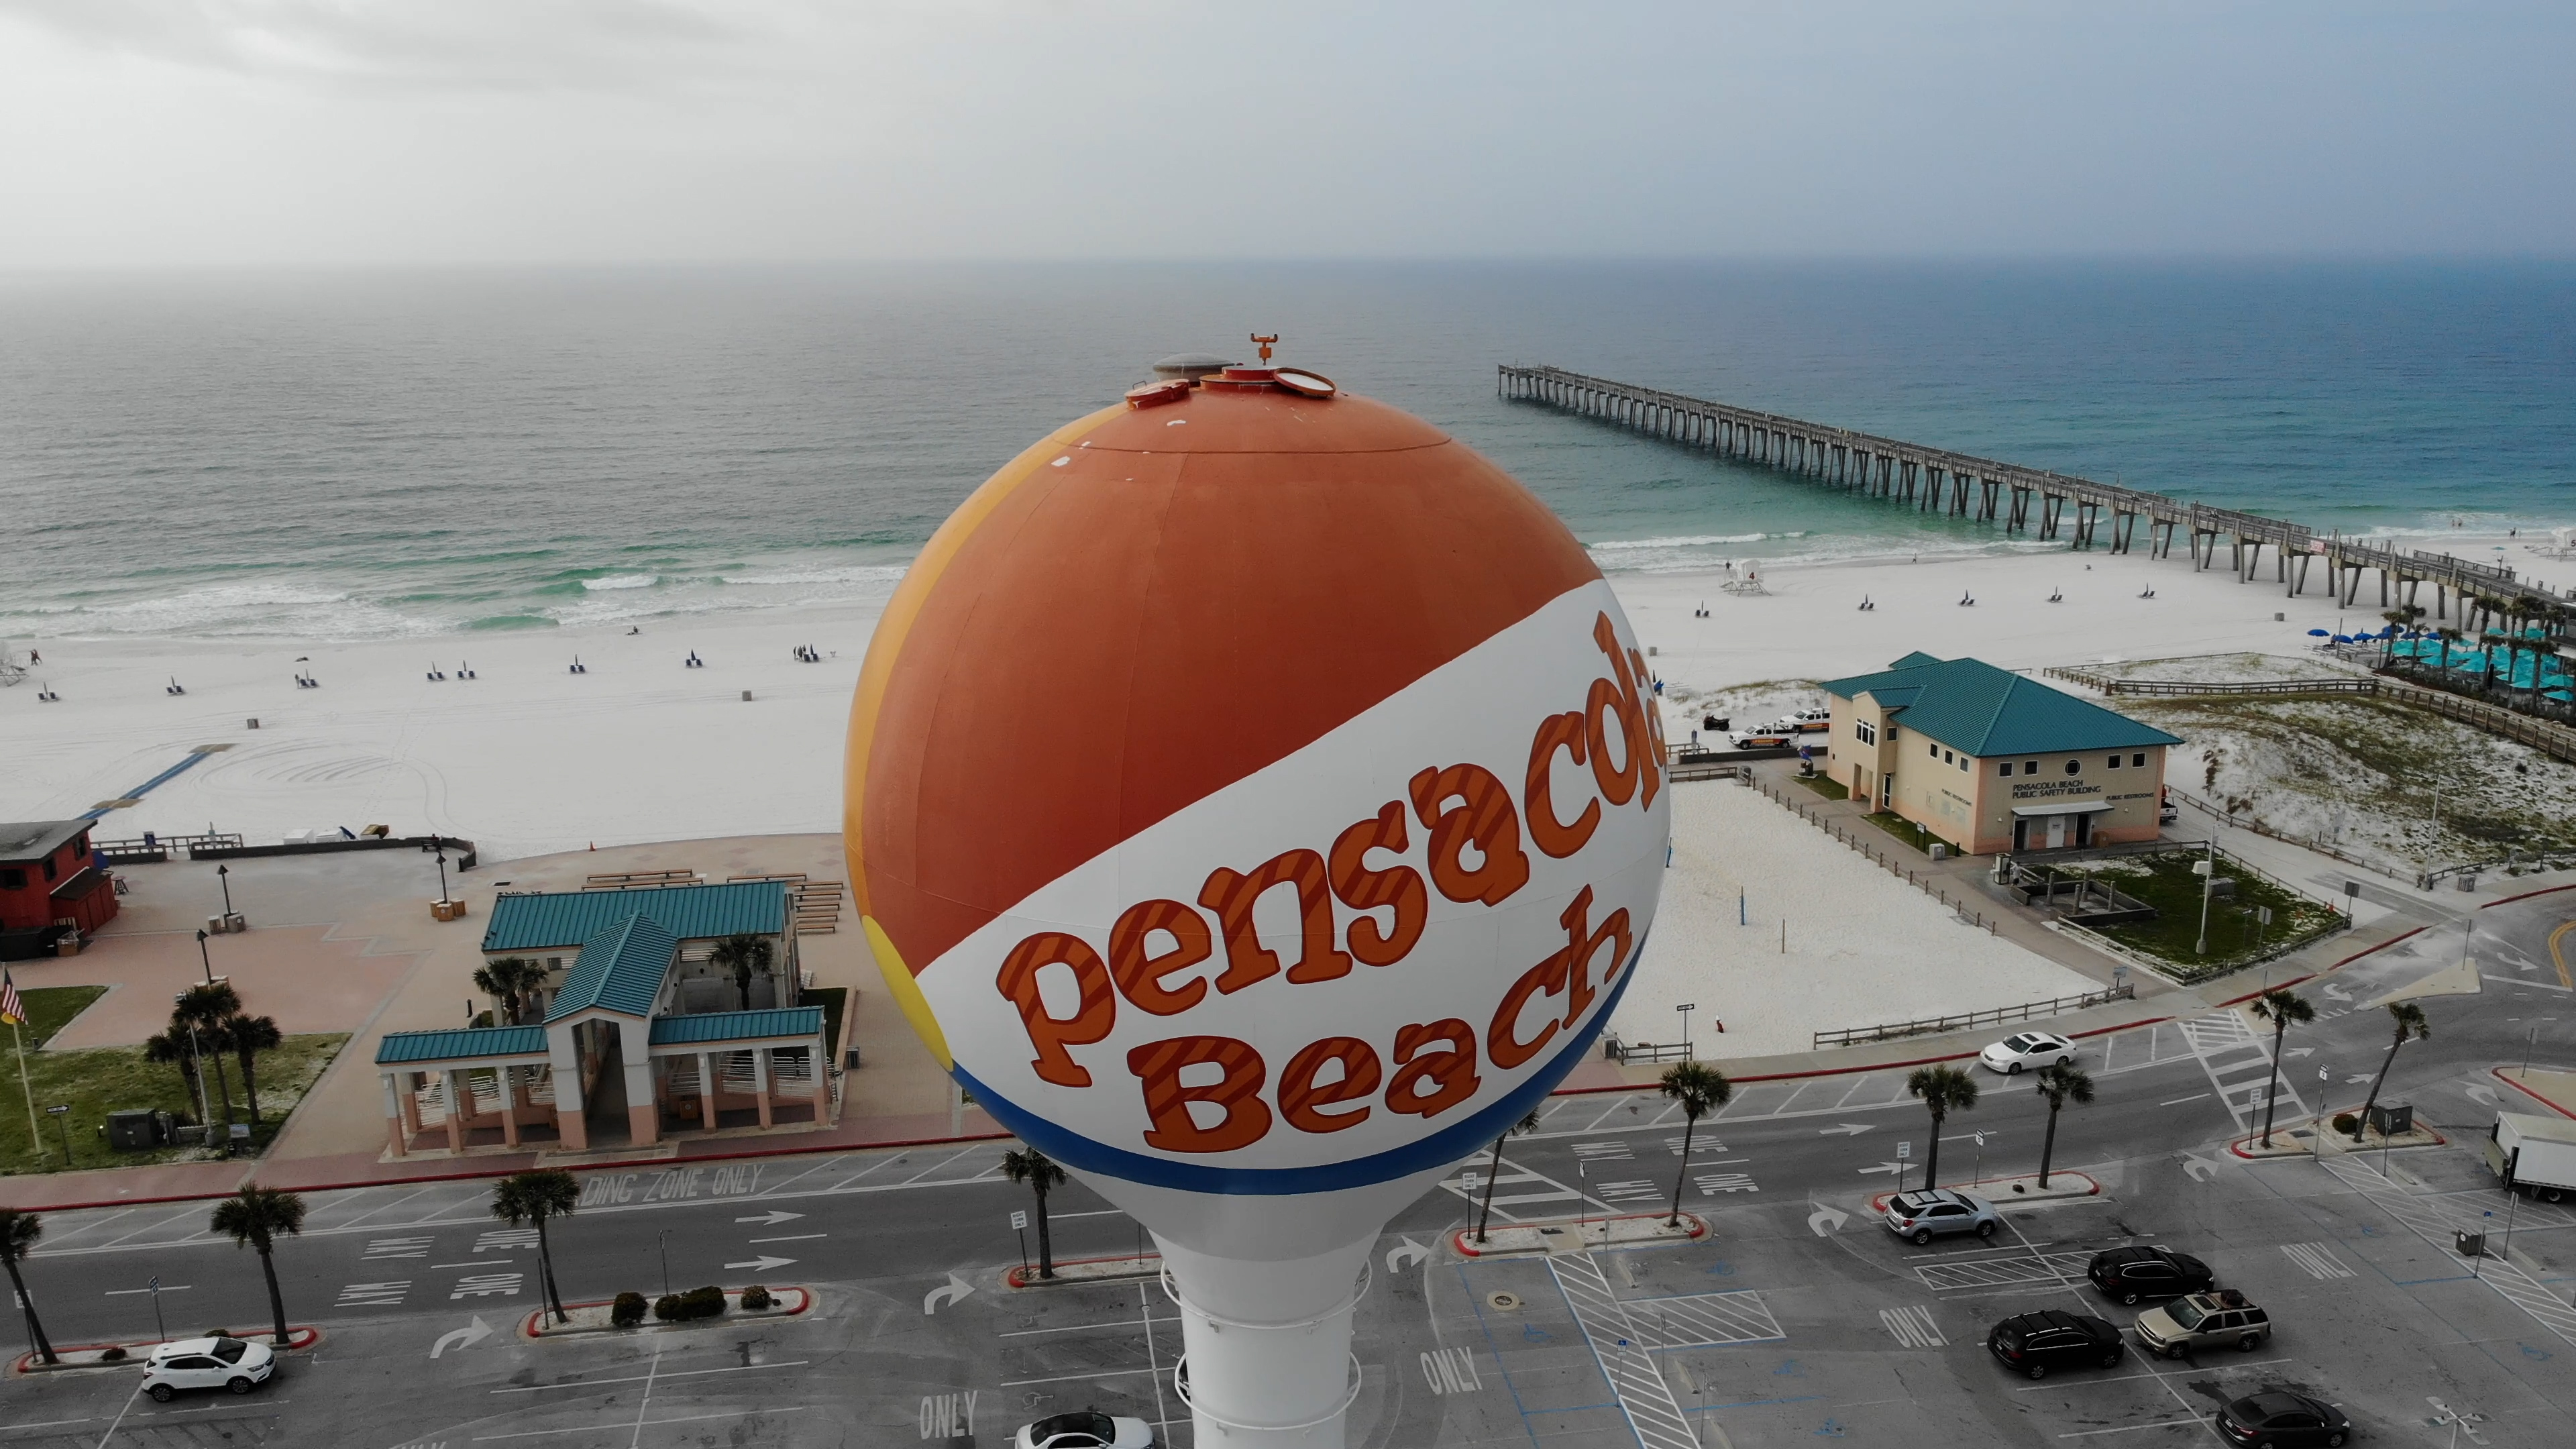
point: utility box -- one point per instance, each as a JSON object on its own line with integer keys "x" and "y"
{"x": 2469, "y": 1244}
{"x": 137, "y": 1129}
{"x": 2392, "y": 1119}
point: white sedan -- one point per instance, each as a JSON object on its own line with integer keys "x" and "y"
{"x": 2030, "y": 1049}
{"x": 1085, "y": 1430}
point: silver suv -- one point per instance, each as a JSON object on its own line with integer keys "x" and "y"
{"x": 1938, "y": 1212}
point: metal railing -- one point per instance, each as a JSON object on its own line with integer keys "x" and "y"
{"x": 1626, "y": 1053}
{"x": 2054, "y": 1006}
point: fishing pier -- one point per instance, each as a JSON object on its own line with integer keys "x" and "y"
{"x": 2026, "y": 500}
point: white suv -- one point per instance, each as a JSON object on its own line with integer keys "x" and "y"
{"x": 207, "y": 1363}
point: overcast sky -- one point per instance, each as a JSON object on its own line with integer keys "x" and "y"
{"x": 295, "y": 132}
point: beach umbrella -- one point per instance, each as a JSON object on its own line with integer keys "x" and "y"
{"x": 1421, "y": 667}
{"x": 2317, "y": 633}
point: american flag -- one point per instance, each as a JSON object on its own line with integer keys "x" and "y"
{"x": 12, "y": 1010}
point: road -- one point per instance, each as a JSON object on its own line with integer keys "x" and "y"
{"x": 1798, "y": 1318}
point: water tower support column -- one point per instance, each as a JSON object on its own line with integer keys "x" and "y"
{"x": 1268, "y": 1345}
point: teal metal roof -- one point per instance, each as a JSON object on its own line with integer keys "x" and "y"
{"x": 537, "y": 922}
{"x": 724, "y": 1026}
{"x": 472, "y": 1041}
{"x": 1982, "y": 711}
{"x": 620, "y": 969}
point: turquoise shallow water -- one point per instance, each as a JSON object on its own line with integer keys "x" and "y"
{"x": 370, "y": 455}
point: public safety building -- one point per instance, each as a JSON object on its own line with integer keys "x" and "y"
{"x": 1991, "y": 761}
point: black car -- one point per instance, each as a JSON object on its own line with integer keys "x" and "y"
{"x": 2130, "y": 1274}
{"x": 2034, "y": 1343}
{"x": 2279, "y": 1419}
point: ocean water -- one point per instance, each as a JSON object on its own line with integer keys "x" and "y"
{"x": 366, "y": 455}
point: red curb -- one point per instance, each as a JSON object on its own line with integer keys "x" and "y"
{"x": 1698, "y": 1226}
{"x": 2239, "y": 1145}
{"x": 804, "y": 1302}
{"x": 2498, "y": 1074}
{"x": 1026, "y": 1276}
{"x": 1878, "y": 1204}
{"x": 467, "y": 1176}
{"x": 299, "y": 1337}
{"x": 2527, "y": 895}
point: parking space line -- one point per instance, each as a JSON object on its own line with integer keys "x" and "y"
{"x": 644, "y": 1424}
{"x": 1094, "y": 1374}
{"x": 47, "y": 1424}
{"x": 1082, "y": 1327}
{"x": 191, "y": 1210}
{"x": 825, "y": 1165}
{"x": 2132, "y": 1378}
{"x": 943, "y": 1162}
{"x": 735, "y": 1368}
{"x": 2129, "y": 1428}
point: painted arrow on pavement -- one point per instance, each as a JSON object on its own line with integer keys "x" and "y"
{"x": 1886, "y": 1167}
{"x": 763, "y": 1263}
{"x": 1406, "y": 1252}
{"x": 465, "y": 1337}
{"x": 1825, "y": 1222}
{"x": 1844, "y": 1129}
{"x": 2337, "y": 992}
{"x": 2483, "y": 1095}
{"x": 2199, "y": 1169}
{"x": 952, "y": 1292}
{"x": 772, "y": 1218}
{"x": 2295, "y": 1053}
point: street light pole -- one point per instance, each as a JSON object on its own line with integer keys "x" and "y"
{"x": 442, "y": 873}
{"x": 205, "y": 960}
{"x": 2208, "y": 879}
{"x": 662, "y": 1241}
{"x": 223, "y": 877}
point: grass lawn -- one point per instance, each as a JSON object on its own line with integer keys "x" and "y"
{"x": 97, "y": 1080}
{"x": 1909, "y": 832}
{"x": 2236, "y": 937}
{"x": 1825, "y": 785}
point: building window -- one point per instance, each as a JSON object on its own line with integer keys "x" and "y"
{"x": 2139, "y": 759}
{"x": 2030, "y": 767}
{"x": 13, "y": 880}
{"x": 1947, "y": 757}
{"x": 2115, "y": 762}
{"x": 2004, "y": 769}
{"x": 1932, "y": 749}
{"x": 2075, "y": 767}
{"x": 49, "y": 867}
{"x": 1964, "y": 762}
{"x": 1865, "y": 731}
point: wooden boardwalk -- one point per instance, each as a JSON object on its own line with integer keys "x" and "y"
{"x": 2054, "y": 505}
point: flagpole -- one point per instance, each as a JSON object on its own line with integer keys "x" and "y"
{"x": 35, "y": 1140}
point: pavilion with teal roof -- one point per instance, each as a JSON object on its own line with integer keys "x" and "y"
{"x": 637, "y": 1032}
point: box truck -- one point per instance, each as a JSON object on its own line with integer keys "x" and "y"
{"x": 2533, "y": 1155}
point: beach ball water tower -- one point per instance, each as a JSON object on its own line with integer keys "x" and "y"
{"x": 1255, "y": 800}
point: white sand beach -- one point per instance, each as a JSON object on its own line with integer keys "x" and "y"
{"x": 528, "y": 758}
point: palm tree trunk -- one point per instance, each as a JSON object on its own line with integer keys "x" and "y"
{"x": 2272, "y": 1095}
{"x": 224, "y": 1085}
{"x": 35, "y": 1331}
{"x": 2048, "y": 1145}
{"x": 1689, "y": 1125}
{"x": 2361, "y": 1124}
{"x": 1932, "y": 1156}
{"x": 276, "y": 1300}
{"x": 250, "y": 1086}
{"x": 546, "y": 1267}
{"x": 1485, "y": 1209}
{"x": 1046, "y": 1243}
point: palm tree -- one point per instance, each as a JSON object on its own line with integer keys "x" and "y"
{"x": 2059, "y": 1084}
{"x": 18, "y": 1234}
{"x": 533, "y": 1197}
{"x": 2411, "y": 1026}
{"x": 248, "y": 1036}
{"x": 2280, "y": 1008}
{"x": 510, "y": 981}
{"x": 172, "y": 1046}
{"x": 1528, "y": 1123}
{"x": 200, "y": 1016}
{"x": 1944, "y": 1090}
{"x": 2395, "y": 619}
{"x": 256, "y": 1215}
{"x": 742, "y": 954}
{"x": 1700, "y": 1089}
{"x": 2449, "y": 637}
{"x": 1042, "y": 1175}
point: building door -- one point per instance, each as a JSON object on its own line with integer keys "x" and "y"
{"x": 2057, "y": 832}
{"x": 2083, "y": 830}
{"x": 2021, "y": 834}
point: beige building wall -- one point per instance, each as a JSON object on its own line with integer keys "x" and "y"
{"x": 1970, "y": 800}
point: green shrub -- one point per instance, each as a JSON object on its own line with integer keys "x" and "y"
{"x": 667, "y": 1307}
{"x": 627, "y": 1311}
{"x": 756, "y": 1296}
{"x": 115, "y": 1354}
{"x": 2345, "y": 1122}
{"x": 707, "y": 1302}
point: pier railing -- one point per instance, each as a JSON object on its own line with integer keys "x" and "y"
{"x": 1925, "y": 1026}
{"x": 1963, "y": 485}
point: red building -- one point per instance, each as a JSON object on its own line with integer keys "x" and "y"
{"x": 47, "y": 876}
